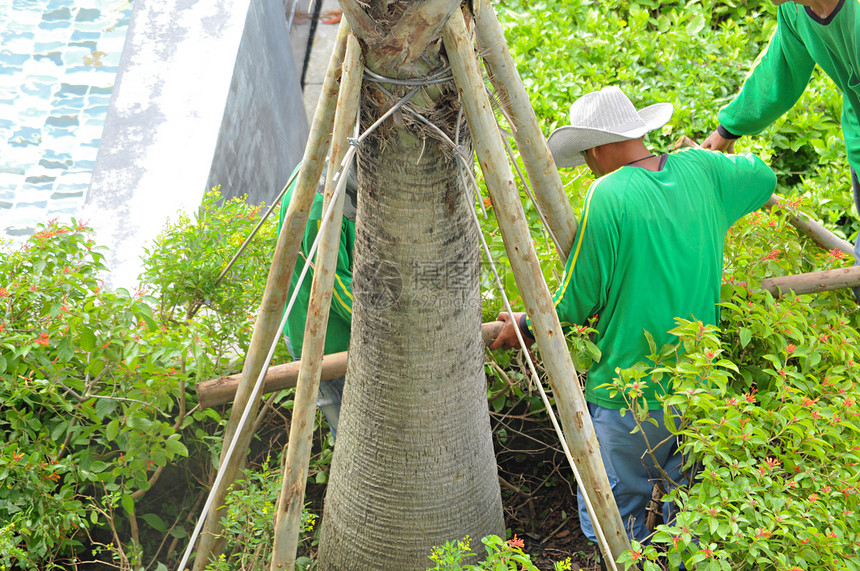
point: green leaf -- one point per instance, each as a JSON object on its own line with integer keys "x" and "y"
{"x": 65, "y": 350}
{"x": 179, "y": 532}
{"x": 696, "y": 25}
{"x": 128, "y": 503}
{"x": 87, "y": 340}
{"x": 155, "y": 522}
{"x": 745, "y": 335}
{"x": 104, "y": 407}
{"x": 112, "y": 429}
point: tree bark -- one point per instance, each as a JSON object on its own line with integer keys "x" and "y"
{"x": 414, "y": 464}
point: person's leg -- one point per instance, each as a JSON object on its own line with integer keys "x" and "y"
{"x": 329, "y": 399}
{"x": 855, "y": 184}
{"x": 631, "y": 475}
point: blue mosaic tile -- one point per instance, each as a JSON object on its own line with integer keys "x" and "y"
{"x": 97, "y": 109}
{"x": 9, "y": 36}
{"x": 55, "y": 25}
{"x": 8, "y": 58}
{"x": 51, "y": 164}
{"x": 38, "y": 204}
{"x": 55, "y": 57}
{"x": 68, "y": 193}
{"x": 4, "y": 204}
{"x": 26, "y": 136}
{"x": 88, "y": 15}
{"x": 85, "y": 44}
{"x": 37, "y": 88}
{"x": 62, "y": 121}
{"x": 40, "y": 180}
{"x": 60, "y": 13}
{"x": 43, "y": 47}
{"x": 68, "y": 90}
{"x": 57, "y": 4}
{"x": 57, "y": 132}
{"x": 81, "y": 35}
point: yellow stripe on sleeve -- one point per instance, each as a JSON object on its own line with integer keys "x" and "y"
{"x": 345, "y": 306}
{"x": 346, "y": 292}
{"x": 569, "y": 271}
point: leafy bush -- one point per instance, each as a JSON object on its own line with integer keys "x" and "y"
{"x": 762, "y": 409}
{"x": 501, "y": 556}
{"x": 96, "y": 386}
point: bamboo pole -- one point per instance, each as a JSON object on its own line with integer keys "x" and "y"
{"x": 818, "y": 233}
{"x": 275, "y": 294}
{"x": 223, "y": 389}
{"x": 291, "y": 500}
{"x": 813, "y": 282}
{"x": 552, "y": 202}
{"x": 576, "y": 421}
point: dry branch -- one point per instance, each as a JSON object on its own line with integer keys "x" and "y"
{"x": 813, "y": 282}
{"x": 222, "y": 390}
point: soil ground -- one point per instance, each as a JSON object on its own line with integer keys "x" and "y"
{"x": 539, "y": 491}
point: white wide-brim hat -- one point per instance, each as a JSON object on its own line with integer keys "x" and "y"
{"x": 603, "y": 117}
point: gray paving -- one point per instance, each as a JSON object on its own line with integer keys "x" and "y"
{"x": 323, "y": 43}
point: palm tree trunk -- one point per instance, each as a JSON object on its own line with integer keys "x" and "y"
{"x": 414, "y": 464}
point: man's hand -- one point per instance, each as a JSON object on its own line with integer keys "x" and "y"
{"x": 717, "y": 142}
{"x": 507, "y": 338}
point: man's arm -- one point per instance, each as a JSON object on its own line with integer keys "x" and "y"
{"x": 744, "y": 181}
{"x": 589, "y": 267}
{"x": 777, "y": 80}
{"x": 507, "y": 338}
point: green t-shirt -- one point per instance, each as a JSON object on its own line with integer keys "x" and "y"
{"x": 649, "y": 248}
{"x": 340, "y": 314}
{"x": 782, "y": 71}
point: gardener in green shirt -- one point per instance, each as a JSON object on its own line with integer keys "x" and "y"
{"x": 340, "y": 315}
{"x": 649, "y": 247}
{"x": 823, "y": 32}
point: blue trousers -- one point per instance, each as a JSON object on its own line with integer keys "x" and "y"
{"x": 630, "y": 469}
{"x": 856, "y": 186}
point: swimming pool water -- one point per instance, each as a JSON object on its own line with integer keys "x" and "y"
{"x": 58, "y": 63}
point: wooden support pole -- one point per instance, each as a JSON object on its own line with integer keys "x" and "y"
{"x": 552, "y": 202}
{"x": 275, "y": 294}
{"x": 223, "y": 389}
{"x": 291, "y": 500}
{"x": 575, "y": 419}
{"x": 813, "y": 282}
{"x": 818, "y": 233}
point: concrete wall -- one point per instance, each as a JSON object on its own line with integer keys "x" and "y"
{"x": 265, "y": 128}
{"x": 206, "y": 92}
